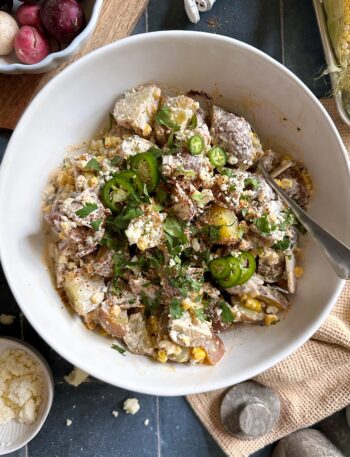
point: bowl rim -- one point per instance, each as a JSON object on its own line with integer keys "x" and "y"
{"x": 51, "y": 58}
{"x": 48, "y": 379}
{"x": 290, "y": 347}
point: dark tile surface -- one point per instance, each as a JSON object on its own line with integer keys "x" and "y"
{"x": 286, "y": 30}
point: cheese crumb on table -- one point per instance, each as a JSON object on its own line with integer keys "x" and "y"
{"x": 115, "y": 413}
{"x": 21, "y": 386}
{"x": 7, "y": 319}
{"x": 76, "y": 377}
{"x": 68, "y": 422}
{"x": 146, "y": 422}
{"x": 131, "y": 406}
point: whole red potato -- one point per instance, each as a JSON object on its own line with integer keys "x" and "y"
{"x": 29, "y": 15}
{"x": 31, "y": 45}
{"x": 63, "y": 19}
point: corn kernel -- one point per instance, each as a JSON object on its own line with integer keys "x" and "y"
{"x": 186, "y": 303}
{"x": 162, "y": 356}
{"x": 92, "y": 181}
{"x": 111, "y": 142}
{"x": 146, "y": 130}
{"x": 271, "y": 319}
{"x": 253, "y": 304}
{"x": 198, "y": 354}
{"x": 298, "y": 271}
{"x": 286, "y": 183}
{"x": 152, "y": 324}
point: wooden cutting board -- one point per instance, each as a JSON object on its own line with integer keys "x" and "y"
{"x": 117, "y": 20}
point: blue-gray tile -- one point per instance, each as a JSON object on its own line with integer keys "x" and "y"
{"x": 94, "y": 431}
{"x": 254, "y": 22}
{"x": 303, "y": 53}
{"x": 181, "y": 434}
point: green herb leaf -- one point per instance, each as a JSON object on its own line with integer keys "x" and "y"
{"x": 170, "y": 141}
{"x": 245, "y": 197}
{"x": 282, "y": 245}
{"x": 87, "y": 209}
{"x": 228, "y": 172}
{"x": 122, "y": 220}
{"x": 119, "y": 349}
{"x": 156, "y": 152}
{"x": 92, "y": 165}
{"x": 96, "y": 224}
{"x": 174, "y": 228}
{"x": 251, "y": 183}
{"x": 227, "y": 316}
{"x": 109, "y": 242}
{"x": 193, "y": 123}
{"x": 120, "y": 262}
{"x": 200, "y": 314}
{"x": 116, "y": 161}
{"x": 288, "y": 220}
{"x": 175, "y": 309}
{"x": 264, "y": 225}
{"x": 163, "y": 118}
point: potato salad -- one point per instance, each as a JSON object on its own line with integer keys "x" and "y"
{"x": 166, "y": 235}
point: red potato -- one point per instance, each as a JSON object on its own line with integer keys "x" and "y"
{"x": 31, "y": 46}
{"x": 29, "y": 15}
{"x": 63, "y": 19}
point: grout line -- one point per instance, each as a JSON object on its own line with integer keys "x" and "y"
{"x": 146, "y": 18}
{"x": 282, "y": 29}
{"x": 158, "y": 428}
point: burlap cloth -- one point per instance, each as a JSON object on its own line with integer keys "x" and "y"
{"x": 312, "y": 383}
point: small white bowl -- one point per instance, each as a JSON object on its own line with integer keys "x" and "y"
{"x": 14, "y": 435}
{"x": 10, "y": 64}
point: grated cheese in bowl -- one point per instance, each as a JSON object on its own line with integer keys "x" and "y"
{"x": 21, "y": 385}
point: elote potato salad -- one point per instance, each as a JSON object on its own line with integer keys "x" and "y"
{"x": 165, "y": 233}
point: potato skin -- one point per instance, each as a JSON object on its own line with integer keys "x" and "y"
{"x": 31, "y": 46}
{"x": 29, "y": 15}
{"x": 63, "y": 19}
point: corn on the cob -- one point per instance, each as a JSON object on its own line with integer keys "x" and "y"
{"x": 338, "y": 24}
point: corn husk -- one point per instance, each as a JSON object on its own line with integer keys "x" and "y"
{"x": 338, "y": 24}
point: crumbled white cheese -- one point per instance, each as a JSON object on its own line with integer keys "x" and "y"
{"x": 20, "y": 387}
{"x": 7, "y": 319}
{"x": 146, "y": 422}
{"x": 131, "y": 406}
{"x": 76, "y": 377}
{"x": 115, "y": 413}
{"x": 134, "y": 145}
{"x": 69, "y": 422}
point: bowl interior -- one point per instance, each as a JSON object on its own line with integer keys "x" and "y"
{"x": 87, "y": 6}
{"x": 14, "y": 435}
{"x": 76, "y": 103}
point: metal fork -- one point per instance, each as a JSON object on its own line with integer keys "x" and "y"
{"x": 336, "y": 251}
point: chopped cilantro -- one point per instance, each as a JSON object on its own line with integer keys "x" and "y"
{"x": 92, "y": 165}
{"x": 264, "y": 225}
{"x": 161, "y": 196}
{"x": 163, "y": 118}
{"x": 96, "y": 224}
{"x": 288, "y": 220}
{"x": 200, "y": 314}
{"x": 122, "y": 220}
{"x": 245, "y": 197}
{"x": 251, "y": 183}
{"x": 227, "y": 316}
{"x": 211, "y": 231}
{"x": 175, "y": 308}
{"x": 109, "y": 241}
{"x": 228, "y": 172}
{"x": 87, "y": 209}
{"x": 193, "y": 123}
{"x": 119, "y": 263}
{"x": 282, "y": 245}
{"x": 232, "y": 188}
{"x": 174, "y": 228}
{"x": 119, "y": 349}
{"x": 116, "y": 160}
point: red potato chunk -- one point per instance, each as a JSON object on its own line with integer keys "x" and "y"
{"x": 215, "y": 350}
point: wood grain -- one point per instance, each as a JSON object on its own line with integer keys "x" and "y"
{"x": 117, "y": 20}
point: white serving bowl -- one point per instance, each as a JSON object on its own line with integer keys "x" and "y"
{"x": 74, "y": 105}
{"x": 10, "y": 64}
{"x": 14, "y": 435}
